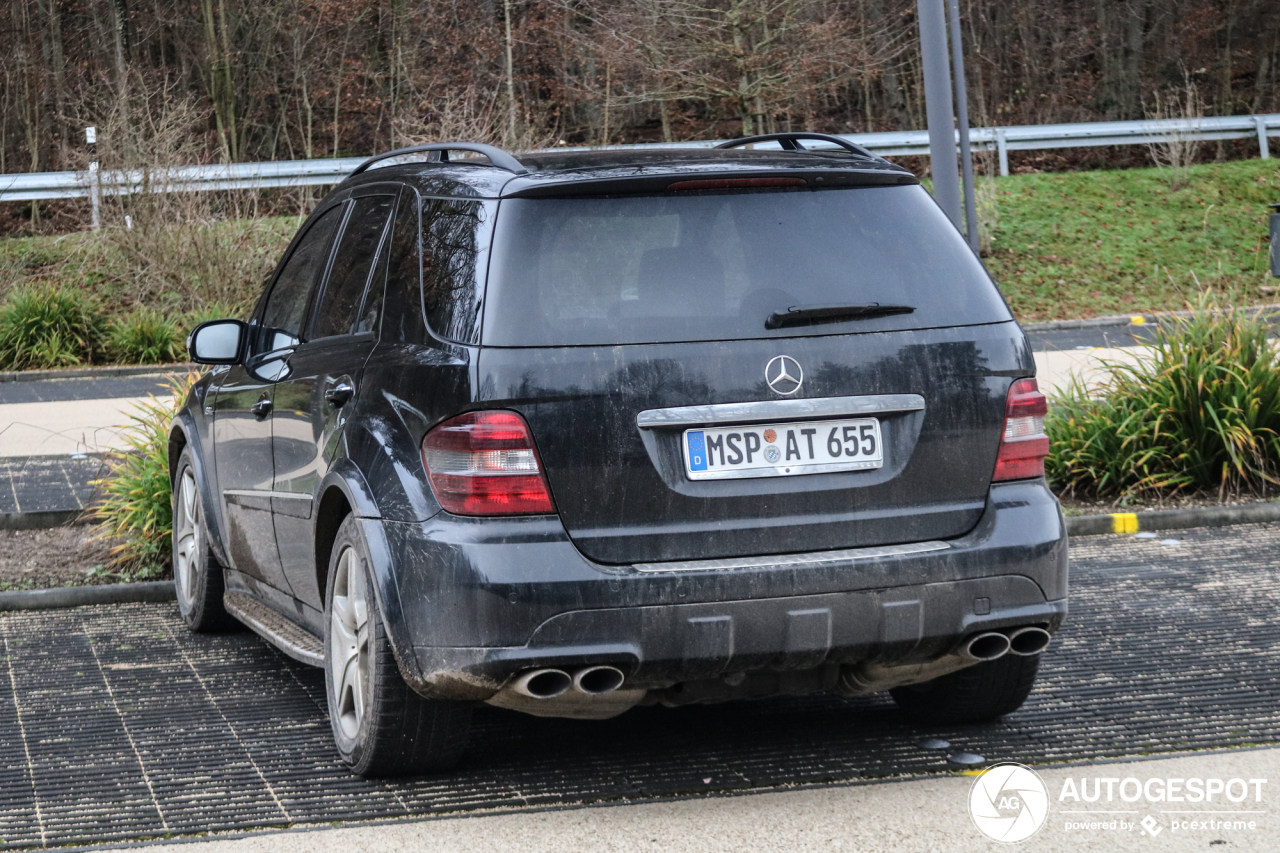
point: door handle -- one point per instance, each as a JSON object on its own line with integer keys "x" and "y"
{"x": 339, "y": 394}
{"x": 262, "y": 408}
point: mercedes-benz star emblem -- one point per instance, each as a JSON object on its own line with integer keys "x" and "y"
{"x": 783, "y": 374}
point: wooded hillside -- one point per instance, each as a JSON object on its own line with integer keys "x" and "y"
{"x": 282, "y": 79}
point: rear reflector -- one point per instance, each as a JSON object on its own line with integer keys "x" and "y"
{"x": 484, "y": 463}
{"x": 737, "y": 183}
{"x": 1024, "y": 444}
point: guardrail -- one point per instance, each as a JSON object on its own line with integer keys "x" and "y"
{"x": 37, "y": 186}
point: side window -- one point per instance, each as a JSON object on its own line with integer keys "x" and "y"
{"x": 357, "y": 247}
{"x": 455, "y": 236}
{"x": 287, "y": 305}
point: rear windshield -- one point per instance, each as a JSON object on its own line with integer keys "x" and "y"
{"x": 697, "y": 267}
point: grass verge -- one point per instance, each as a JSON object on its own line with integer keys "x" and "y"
{"x": 1085, "y": 244}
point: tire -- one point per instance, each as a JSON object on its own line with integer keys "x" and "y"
{"x": 977, "y": 694}
{"x": 197, "y": 574}
{"x": 380, "y": 726}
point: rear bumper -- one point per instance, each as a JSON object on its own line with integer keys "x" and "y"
{"x": 481, "y": 600}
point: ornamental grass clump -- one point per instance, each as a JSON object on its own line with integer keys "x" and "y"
{"x": 1201, "y": 413}
{"x": 144, "y": 337}
{"x": 46, "y": 327}
{"x": 135, "y": 507}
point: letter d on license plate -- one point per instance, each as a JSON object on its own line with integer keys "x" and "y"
{"x": 782, "y": 450}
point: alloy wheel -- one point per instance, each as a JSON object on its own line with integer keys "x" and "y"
{"x": 187, "y": 540}
{"x": 349, "y": 642}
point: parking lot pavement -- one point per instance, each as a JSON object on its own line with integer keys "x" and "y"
{"x": 53, "y": 433}
{"x": 116, "y": 725}
{"x": 48, "y": 483}
{"x": 911, "y": 816}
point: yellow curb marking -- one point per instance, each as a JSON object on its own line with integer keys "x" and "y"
{"x": 1137, "y": 320}
{"x": 1124, "y": 522}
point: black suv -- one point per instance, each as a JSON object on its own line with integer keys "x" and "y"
{"x": 583, "y": 431}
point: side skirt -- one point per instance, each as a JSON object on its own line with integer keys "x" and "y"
{"x": 278, "y": 630}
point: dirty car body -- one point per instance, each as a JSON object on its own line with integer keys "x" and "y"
{"x": 761, "y": 425}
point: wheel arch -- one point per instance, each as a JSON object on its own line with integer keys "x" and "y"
{"x": 182, "y": 435}
{"x": 345, "y": 491}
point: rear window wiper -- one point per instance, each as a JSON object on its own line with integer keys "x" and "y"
{"x": 800, "y": 316}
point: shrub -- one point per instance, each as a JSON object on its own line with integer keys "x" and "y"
{"x": 209, "y": 311}
{"x": 136, "y": 505}
{"x": 144, "y": 337}
{"x": 42, "y": 327}
{"x": 1202, "y": 412}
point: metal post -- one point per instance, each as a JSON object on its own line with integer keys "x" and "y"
{"x": 1264, "y": 148}
{"x": 1002, "y": 147}
{"x": 939, "y": 108}
{"x": 962, "y": 113}
{"x": 95, "y": 183}
{"x": 95, "y": 197}
{"x": 1275, "y": 240}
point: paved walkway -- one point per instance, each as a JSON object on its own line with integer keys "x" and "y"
{"x": 910, "y": 816}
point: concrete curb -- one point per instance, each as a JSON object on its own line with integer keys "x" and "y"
{"x": 43, "y": 520}
{"x": 1126, "y": 319}
{"x": 80, "y": 596}
{"x": 1171, "y": 519}
{"x": 95, "y": 372}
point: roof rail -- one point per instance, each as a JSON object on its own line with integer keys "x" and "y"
{"x": 791, "y": 142}
{"x": 497, "y": 156}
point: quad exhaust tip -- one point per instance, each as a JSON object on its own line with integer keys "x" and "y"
{"x": 597, "y": 680}
{"x": 549, "y": 683}
{"x": 542, "y": 683}
{"x": 987, "y": 646}
{"x": 1028, "y": 641}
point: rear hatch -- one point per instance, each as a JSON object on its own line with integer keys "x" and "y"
{"x": 620, "y": 327}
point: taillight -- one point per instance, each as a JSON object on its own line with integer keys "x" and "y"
{"x": 484, "y": 463}
{"x": 1024, "y": 444}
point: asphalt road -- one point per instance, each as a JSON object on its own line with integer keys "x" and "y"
{"x": 117, "y": 726}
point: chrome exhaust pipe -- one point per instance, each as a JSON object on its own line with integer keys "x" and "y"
{"x": 986, "y": 646}
{"x": 597, "y": 680}
{"x": 1029, "y": 641}
{"x": 542, "y": 683}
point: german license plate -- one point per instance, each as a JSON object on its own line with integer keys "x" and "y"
{"x": 783, "y": 450}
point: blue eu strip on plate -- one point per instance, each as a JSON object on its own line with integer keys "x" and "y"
{"x": 697, "y": 450}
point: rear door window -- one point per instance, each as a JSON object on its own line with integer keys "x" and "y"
{"x": 715, "y": 266}
{"x": 352, "y": 263}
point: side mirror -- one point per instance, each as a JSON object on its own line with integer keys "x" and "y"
{"x": 217, "y": 342}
